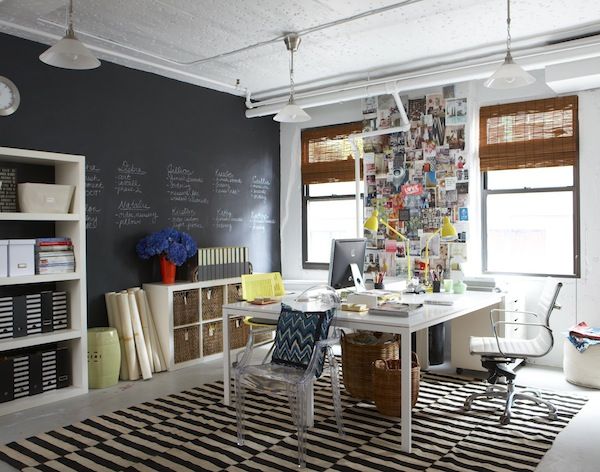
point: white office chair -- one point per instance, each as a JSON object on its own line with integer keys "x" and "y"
{"x": 497, "y": 352}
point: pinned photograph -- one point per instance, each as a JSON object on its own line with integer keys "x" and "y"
{"x": 462, "y": 187}
{"x": 386, "y": 107}
{"x": 455, "y": 137}
{"x": 463, "y": 214}
{"x": 430, "y": 179}
{"x": 416, "y": 109}
{"x": 434, "y": 103}
{"x": 456, "y": 111}
{"x": 450, "y": 183}
{"x": 448, "y": 91}
{"x": 451, "y": 196}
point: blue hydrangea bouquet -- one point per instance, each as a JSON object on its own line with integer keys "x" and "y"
{"x": 172, "y": 246}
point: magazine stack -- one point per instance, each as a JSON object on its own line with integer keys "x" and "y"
{"x": 54, "y": 256}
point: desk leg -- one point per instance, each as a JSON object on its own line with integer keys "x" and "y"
{"x": 226, "y": 361}
{"x": 423, "y": 348}
{"x": 405, "y": 380}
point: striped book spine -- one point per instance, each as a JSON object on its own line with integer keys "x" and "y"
{"x": 34, "y": 313}
{"x": 21, "y": 376}
{"x": 6, "y": 317}
{"x": 49, "y": 370}
{"x": 59, "y": 311}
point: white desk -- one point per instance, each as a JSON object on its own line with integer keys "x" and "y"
{"x": 429, "y": 315}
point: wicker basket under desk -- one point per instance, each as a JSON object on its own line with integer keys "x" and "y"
{"x": 386, "y": 381}
{"x": 357, "y": 363}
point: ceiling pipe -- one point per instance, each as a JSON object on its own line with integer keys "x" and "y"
{"x": 537, "y": 58}
{"x": 36, "y": 35}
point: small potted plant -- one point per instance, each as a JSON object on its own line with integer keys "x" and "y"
{"x": 173, "y": 248}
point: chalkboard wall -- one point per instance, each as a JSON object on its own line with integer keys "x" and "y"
{"x": 159, "y": 153}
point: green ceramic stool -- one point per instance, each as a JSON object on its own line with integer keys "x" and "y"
{"x": 104, "y": 357}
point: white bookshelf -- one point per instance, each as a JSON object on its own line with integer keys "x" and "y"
{"x": 68, "y": 170}
{"x": 160, "y": 298}
{"x": 8, "y": 216}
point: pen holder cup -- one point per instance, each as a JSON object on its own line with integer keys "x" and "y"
{"x": 437, "y": 285}
{"x": 448, "y": 285}
{"x": 378, "y": 286}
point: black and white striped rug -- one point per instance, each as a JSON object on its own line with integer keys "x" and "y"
{"x": 194, "y": 431}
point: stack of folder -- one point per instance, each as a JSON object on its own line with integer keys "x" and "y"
{"x": 222, "y": 262}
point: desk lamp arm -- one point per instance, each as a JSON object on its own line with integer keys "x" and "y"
{"x": 406, "y": 245}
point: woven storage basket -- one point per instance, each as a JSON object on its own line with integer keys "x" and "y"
{"x": 234, "y": 293}
{"x": 186, "y": 343}
{"x": 212, "y": 338}
{"x": 386, "y": 385}
{"x": 238, "y": 333}
{"x": 186, "y": 307}
{"x": 357, "y": 362}
{"x": 212, "y": 302}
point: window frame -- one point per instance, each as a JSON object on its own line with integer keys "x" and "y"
{"x": 324, "y": 172}
{"x": 306, "y": 198}
{"x": 574, "y": 189}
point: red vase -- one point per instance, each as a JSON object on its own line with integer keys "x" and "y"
{"x": 167, "y": 270}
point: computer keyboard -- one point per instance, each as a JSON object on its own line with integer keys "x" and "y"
{"x": 433, "y": 301}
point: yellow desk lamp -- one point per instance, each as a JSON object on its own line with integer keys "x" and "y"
{"x": 447, "y": 233}
{"x": 372, "y": 224}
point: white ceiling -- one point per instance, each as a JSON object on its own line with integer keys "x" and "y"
{"x": 424, "y": 33}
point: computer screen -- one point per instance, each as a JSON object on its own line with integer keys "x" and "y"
{"x": 345, "y": 252}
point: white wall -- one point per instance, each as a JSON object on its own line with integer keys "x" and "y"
{"x": 579, "y": 298}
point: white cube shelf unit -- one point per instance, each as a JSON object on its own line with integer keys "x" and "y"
{"x": 189, "y": 319}
{"x": 68, "y": 170}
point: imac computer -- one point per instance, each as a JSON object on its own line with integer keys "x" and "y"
{"x": 346, "y": 265}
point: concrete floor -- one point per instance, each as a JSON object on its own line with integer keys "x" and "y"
{"x": 576, "y": 447}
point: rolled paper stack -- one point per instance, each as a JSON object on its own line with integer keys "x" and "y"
{"x": 129, "y": 313}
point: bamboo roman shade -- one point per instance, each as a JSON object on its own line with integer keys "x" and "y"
{"x": 327, "y": 155}
{"x": 537, "y": 133}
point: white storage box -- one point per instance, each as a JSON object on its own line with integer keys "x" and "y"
{"x": 45, "y": 198}
{"x": 3, "y": 257}
{"x": 21, "y": 257}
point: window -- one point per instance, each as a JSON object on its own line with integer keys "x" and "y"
{"x": 328, "y": 190}
{"x": 528, "y": 155}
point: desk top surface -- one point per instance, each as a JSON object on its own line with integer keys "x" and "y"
{"x": 424, "y": 317}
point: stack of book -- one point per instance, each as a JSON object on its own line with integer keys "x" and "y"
{"x": 222, "y": 262}
{"x": 54, "y": 256}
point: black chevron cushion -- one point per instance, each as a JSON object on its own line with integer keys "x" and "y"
{"x": 296, "y": 336}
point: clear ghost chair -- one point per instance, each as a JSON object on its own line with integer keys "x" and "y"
{"x": 302, "y": 342}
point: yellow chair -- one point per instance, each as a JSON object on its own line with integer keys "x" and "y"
{"x": 268, "y": 285}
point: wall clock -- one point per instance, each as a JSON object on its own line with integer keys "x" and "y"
{"x": 9, "y": 97}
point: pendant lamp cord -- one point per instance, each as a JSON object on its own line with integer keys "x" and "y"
{"x": 70, "y": 30}
{"x": 508, "y": 37}
{"x": 291, "y": 75}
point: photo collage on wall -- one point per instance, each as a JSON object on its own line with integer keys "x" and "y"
{"x": 414, "y": 179}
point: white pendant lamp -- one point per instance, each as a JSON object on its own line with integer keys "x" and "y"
{"x": 292, "y": 113}
{"x": 510, "y": 74}
{"x": 69, "y": 52}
